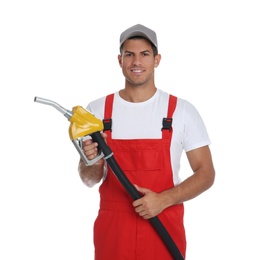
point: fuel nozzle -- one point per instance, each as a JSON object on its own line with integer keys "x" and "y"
{"x": 82, "y": 124}
{"x": 61, "y": 109}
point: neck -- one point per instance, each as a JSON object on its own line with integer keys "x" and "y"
{"x": 137, "y": 94}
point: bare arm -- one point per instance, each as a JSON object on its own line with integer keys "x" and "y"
{"x": 202, "y": 178}
{"x": 151, "y": 204}
{"x": 91, "y": 175}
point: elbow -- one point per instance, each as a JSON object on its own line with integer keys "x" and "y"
{"x": 210, "y": 178}
{"x": 89, "y": 183}
{"x": 82, "y": 175}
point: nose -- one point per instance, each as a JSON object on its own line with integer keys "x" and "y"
{"x": 136, "y": 60}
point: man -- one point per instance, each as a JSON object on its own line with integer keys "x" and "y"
{"x": 149, "y": 131}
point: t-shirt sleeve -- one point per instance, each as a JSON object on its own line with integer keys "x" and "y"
{"x": 195, "y": 132}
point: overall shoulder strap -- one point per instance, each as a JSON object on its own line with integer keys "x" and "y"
{"x": 107, "y": 121}
{"x": 172, "y": 105}
{"x": 167, "y": 121}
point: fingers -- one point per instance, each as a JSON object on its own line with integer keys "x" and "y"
{"x": 140, "y": 210}
{"x": 90, "y": 149}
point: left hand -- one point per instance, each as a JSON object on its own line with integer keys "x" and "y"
{"x": 149, "y": 205}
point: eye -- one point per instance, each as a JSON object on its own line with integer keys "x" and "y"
{"x": 128, "y": 54}
{"x": 145, "y": 54}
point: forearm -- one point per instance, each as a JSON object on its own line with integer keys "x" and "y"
{"x": 202, "y": 178}
{"x": 93, "y": 174}
{"x": 190, "y": 188}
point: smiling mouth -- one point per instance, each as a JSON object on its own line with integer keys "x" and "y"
{"x": 137, "y": 70}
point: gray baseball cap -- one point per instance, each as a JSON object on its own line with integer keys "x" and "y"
{"x": 139, "y": 30}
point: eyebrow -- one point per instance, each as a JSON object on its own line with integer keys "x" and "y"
{"x": 140, "y": 52}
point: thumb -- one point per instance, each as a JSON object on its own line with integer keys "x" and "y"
{"x": 141, "y": 189}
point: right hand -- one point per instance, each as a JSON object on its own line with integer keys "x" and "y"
{"x": 91, "y": 174}
{"x": 90, "y": 148}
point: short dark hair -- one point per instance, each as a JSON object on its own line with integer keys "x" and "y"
{"x": 140, "y": 37}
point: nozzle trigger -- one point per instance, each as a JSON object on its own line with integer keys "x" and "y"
{"x": 78, "y": 145}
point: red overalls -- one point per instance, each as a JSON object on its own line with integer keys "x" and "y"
{"x": 119, "y": 232}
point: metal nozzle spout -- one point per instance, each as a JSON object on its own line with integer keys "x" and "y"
{"x": 61, "y": 109}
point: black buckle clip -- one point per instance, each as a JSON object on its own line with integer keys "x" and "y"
{"x": 107, "y": 124}
{"x": 167, "y": 123}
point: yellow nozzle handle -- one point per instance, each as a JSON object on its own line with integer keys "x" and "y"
{"x": 83, "y": 123}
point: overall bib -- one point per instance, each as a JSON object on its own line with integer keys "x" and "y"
{"x": 119, "y": 232}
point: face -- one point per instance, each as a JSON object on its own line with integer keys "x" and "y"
{"x": 138, "y": 62}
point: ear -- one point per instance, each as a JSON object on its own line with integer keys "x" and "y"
{"x": 157, "y": 60}
{"x": 120, "y": 60}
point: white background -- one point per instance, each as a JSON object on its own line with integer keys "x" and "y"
{"x": 67, "y": 51}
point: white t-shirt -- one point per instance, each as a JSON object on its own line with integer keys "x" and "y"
{"x": 143, "y": 120}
